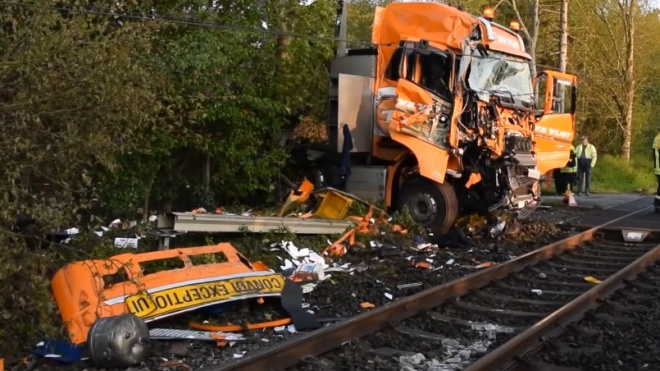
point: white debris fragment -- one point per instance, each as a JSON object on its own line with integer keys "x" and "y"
{"x": 537, "y": 292}
{"x": 279, "y": 328}
{"x": 308, "y": 287}
{"x": 498, "y": 228}
{"x": 375, "y": 244}
{"x": 153, "y": 218}
{"x": 450, "y": 262}
{"x": 389, "y": 296}
{"x": 122, "y": 242}
{"x": 291, "y": 328}
{"x": 239, "y": 355}
{"x": 287, "y": 265}
{"x": 543, "y": 275}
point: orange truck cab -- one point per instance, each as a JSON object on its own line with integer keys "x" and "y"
{"x": 444, "y": 116}
{"x": 156, "y": 285}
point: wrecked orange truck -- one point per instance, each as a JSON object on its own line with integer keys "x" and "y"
{"x": 181, "y": 280}
{"x": 443, "y": 116}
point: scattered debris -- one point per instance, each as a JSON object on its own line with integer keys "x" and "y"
{"x": 592, "y": 279}
{"x": 62, "y": 351}
{"x": 366, "y": 304}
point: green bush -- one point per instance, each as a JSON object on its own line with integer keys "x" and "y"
{"x": 613, "y": 174}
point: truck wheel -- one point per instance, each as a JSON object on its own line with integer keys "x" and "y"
{"x": 432, "y": 205}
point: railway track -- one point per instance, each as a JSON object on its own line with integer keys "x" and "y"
{"x": 484, "y": 321}
{"x": 621, "y": 333}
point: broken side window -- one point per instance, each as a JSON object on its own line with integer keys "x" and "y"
{"x": 435, "y": 74}
{"x": 393, "y": 67}
{"x": 399, "y": 65}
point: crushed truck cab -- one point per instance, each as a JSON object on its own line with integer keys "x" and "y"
{"x": 445, "y": 116}
{"x": 182, "y": 280}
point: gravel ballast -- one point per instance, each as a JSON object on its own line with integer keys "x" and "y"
{"x": 374, "y": 279}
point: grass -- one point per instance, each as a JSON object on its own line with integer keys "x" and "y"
{"x": 614, "y": 175}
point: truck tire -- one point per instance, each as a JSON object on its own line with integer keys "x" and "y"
{"x": 432, "y": 205}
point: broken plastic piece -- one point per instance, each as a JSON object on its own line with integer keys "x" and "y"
{"x": 65, "y": 351}
{"x": 421, "y": 264}
{"x": 592, "y": 279}
{"x": 366, "y": 304}
{"x": 292, "y": 303}
{"x": 237, "y": 328}
{"x": 298, "y": 197}
{"x": 484, "y": 265}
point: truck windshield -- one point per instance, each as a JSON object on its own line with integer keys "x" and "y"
{"x": 501, "y": 73}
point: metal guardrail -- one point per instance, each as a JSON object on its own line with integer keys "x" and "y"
{"x": 189, "y": 222}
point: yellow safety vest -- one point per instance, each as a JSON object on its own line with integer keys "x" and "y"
{"x": 570, "y": 169}
{"x": 589, "y": 152}
{"x": 656, "y": 155}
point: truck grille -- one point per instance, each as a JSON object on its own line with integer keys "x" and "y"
{"x": 518, "y": 144}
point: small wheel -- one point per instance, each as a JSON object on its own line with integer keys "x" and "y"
{"x": 432, "y": 205}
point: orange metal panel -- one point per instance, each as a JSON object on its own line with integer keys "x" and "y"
{"x": 84, "y": 293}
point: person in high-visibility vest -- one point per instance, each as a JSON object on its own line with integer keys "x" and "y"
{"x": 656, "y": 169}
{"x": 569, "y": 172}
{"x": 586, "y": 160}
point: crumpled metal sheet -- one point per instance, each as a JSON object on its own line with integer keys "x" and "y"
{"x": 168, "y": 334}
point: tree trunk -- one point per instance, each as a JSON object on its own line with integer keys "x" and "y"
{"x": 206, "y": 177}
{"x": 145, "y": 204}
{"x": 534, "y": 35}
{"x": 628, "y": 14}
{"x": 563, "y": 36}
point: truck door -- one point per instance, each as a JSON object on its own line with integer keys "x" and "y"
{"x": 554, "y": 130}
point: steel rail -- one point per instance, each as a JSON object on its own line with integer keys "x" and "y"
{"x": 292, "y": 352}
{"x": 554, "y": 324}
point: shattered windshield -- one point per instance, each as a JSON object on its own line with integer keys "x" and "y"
{"x": 501, "y": 73}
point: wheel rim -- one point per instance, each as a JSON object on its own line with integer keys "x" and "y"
{"x": 423, "y": 208}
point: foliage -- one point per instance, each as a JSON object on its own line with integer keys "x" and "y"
{"x": 613, "y": 175}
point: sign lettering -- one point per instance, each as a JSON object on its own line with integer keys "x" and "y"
{"x": 508, "y": 41}
{"x": 146, "y": 305}
{"x": 552, "y": 132}
{"x": 410, "y": 105}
